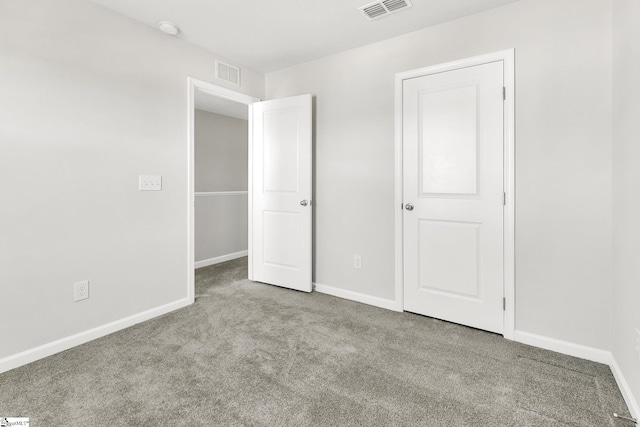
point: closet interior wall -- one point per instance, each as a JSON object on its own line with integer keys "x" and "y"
{"x": 221, "y": 144}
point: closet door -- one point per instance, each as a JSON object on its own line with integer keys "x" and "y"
{"x": 454, "y": 195}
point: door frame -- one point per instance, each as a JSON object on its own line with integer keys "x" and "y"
{"x": 194, "y": 85}
{"x": 508, "y": 59}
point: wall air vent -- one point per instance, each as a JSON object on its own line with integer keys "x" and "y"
{"x": 382, "y": 8}
{"x": 228, "y": 73}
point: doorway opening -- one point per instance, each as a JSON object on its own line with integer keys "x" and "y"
{"x": 218, "y": 176}
{"x": 279, "y": 191}
{"x": 221, "y": 191}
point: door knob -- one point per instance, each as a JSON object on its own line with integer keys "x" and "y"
{"x": 304, "y": 203}
{"x": 409, "y": 206}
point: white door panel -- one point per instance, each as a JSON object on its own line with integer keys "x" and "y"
{"x": 281, "y": 180}
{"x": 453, "y": 178}
{"x": 443, "y": 244}
{"x": 448, "y": 150}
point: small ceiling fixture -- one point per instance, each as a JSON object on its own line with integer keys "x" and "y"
{"x": 169, "y": 27}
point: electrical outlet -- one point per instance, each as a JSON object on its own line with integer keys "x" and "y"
{"x": 81, "y": 291}
{"x": 638, "y": 343}
{"x": 357, "y": 262}
{"x": 150, "y": 183}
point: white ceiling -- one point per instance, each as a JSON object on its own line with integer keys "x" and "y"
{"x": 218, "y": 105}
{"x": 268, "y": 35}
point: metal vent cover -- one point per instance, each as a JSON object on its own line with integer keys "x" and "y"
{"x": 382, "y": 8}
{"x": 228, "y": 73}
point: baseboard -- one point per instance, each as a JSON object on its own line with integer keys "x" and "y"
{"x": 564, "y": 347}
{"x": 630, "y": 400}
{"x": 40, "y": 352}
{"x": 389, "y": 304}
{"x": 219, "y": 259}
{"x": 588, "y": 353}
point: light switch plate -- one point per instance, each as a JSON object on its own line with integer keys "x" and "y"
{"x": 150, "y": 183}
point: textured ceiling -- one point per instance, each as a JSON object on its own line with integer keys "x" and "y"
{"x": 267, "y": 35}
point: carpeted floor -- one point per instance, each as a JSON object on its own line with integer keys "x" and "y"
{"x": 257, "y": 355}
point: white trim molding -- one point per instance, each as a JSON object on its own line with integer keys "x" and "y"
{"x": 219, "y": 259}
{"x": 250, "y": 196}
{"x": 585, "y": 352}
{"x": 623, "y": 385}
{"x": 220, "y": 193}
{"x": 564, "y": 347}
{"x": 49, "y": 349}
{"x": 194, "y": 85}
{"x": 388, "y": 304}
{"x": 507, "y": 57}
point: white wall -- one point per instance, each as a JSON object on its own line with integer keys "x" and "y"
{"x": 563, "y": 152}
{"x": 626, "y": 182}
{"x": 89, "y": 101}
{"x": 221, "y": 152}
{"x": 221, "y": 163}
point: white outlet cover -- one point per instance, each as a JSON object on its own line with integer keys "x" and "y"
{"x": 150, "y": 183}
{"x": 81, "y": 290}
{"x": 357, "y": 262}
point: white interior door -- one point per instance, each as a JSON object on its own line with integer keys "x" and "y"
{"x": 280, "y": 247}
{"x": 453, "y": 195}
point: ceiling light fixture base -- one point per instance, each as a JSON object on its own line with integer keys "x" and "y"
{"x": 168, "y": 27}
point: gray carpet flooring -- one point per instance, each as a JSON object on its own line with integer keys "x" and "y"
{"x": 249, "y": 354}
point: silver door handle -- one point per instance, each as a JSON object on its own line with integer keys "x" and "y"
{"x": 304, "y": 203}
{"x": 409, "y": 206}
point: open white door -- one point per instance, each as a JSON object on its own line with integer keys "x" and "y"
{"x": 280, "y": 205}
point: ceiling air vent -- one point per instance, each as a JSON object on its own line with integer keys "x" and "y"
{"x": 379, "y": 9}
{"x": 228, "y": 73}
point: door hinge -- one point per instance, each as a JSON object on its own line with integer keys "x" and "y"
{"x": 504, "y": 93}
{"x": 504, "y": 304}
{"x": 504, "y": 199}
